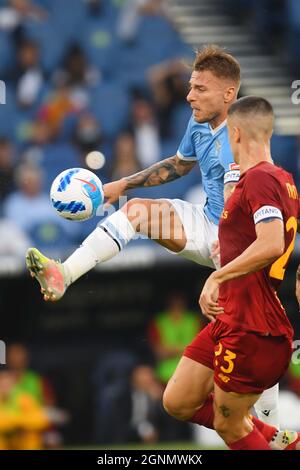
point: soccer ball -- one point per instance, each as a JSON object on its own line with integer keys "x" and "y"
{"x": 76, "y": 194}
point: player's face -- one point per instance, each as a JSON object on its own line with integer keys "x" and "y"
{"x": 207, "y": 96}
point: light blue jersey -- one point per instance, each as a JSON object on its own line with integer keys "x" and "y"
{"x": 211, "y": 148}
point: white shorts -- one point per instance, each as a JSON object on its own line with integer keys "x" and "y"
{"x": 200, "y": 232}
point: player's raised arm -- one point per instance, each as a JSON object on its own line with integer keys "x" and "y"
{"x": 268, "y": 246}
{"x": 160, "y": 173}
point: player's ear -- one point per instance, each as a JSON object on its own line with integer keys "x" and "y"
{"x": 236, "y": 135}
{"x": 229, "y": 94}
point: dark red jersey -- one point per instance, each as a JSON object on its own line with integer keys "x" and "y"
{"x": 250, "y": 302}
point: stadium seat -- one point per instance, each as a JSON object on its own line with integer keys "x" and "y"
{"x": 57, "y": 157}
{"x": 66, "y": 15}
{"x": 110, "y": 105}
{"x": 52, "y": 43}
{"x": 97, "y": 38}
{"x": 6, "y": 52}
{"x": 179, "y": 120}
{"x": 50, "y": 235}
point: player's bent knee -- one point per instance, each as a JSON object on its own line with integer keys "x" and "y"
{"x": 177, "y": 408}
{"x": 138, "y": 211}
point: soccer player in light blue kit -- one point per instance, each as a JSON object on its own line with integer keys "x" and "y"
{"x": 185, "y": 229}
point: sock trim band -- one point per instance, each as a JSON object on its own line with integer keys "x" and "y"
{"x": 112, "y": 237}
{"x": 114, "y": 233}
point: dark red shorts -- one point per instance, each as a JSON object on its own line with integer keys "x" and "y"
{"x": 242, "y": 362}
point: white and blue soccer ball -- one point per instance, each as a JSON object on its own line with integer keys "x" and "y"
{"x": 76, "y": 194}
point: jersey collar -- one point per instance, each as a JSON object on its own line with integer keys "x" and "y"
{"x": 214, "y": 131}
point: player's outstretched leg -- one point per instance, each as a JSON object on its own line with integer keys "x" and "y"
{"x": 156, "y": 219}
{"x": 49, "y": 273}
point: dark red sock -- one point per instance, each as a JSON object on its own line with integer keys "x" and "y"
{"x": 253, "y": 441}
{"x": 265, "y": 429}
{"x": 205, "y": 414}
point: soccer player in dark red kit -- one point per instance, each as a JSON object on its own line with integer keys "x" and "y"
{"x": 248, "y": 344}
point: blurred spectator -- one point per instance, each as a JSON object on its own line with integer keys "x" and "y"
{"x": 130, "y": 16}
{"x": 31, "y": 384}
{"x": 7, "y": 162}
{"x": 97, "y": 7}
{"x": 78, "y": 75}
{"x": 170, "y": 332}
{"x": 28, "y": 204}
{"x": 22, "y": 418}
{"x": 138, "y": 414}
{"x": 168, "y": 82}
{"x": 13, "y": 241}
{"x": 138, "y": 410}
{"x": 124, "y": 161}
{"x": 41, "y": 134}
{"x": 29, "y": 207}
{"x": 60, "y": 104}
{"x": 25, "y": 379}
{"x": 88, "y": 135}
{"x": 76, "y": 69}
{"x": 27, "y": 77}
{"x": 19, "y": 10}
{"x": 146, "y": 133}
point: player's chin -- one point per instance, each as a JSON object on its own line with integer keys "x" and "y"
{"x": 199, "y": 116}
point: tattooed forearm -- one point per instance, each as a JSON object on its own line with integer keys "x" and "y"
{"x": 225, "y": 411}
{"x": 162, "y": 172}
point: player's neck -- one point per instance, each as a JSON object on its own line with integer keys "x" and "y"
{"x": 217, "y": 122}
{"x": 253, "y": 154}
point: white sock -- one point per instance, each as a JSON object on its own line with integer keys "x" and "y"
{"x": 267, "y": 406}
{"x": 101, "y": 245}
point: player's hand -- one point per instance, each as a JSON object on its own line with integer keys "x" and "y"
{"x": 209, "y": 299}
{"x": 112, "y": 191}
{"x": 298, "y": 291}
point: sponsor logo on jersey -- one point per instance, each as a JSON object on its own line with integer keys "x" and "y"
{"x": 232, "y": 176}
{"x": 267, "y": 212}
{"x": 223, "y": 377}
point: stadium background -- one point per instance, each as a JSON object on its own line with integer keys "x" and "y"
{"x": 108, "y": 75}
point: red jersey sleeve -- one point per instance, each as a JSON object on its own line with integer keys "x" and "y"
{"x": 262, "y": 196}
